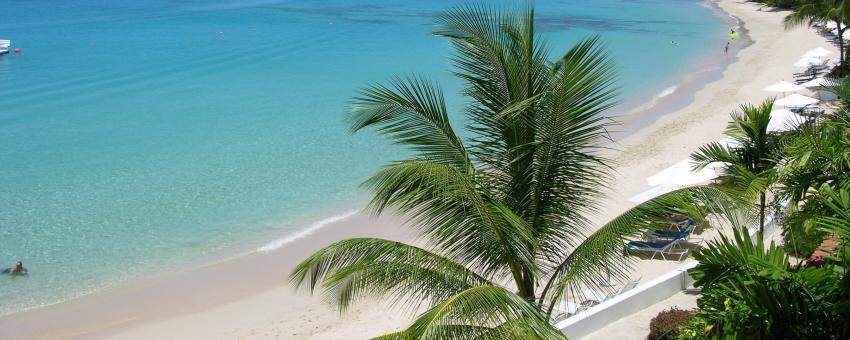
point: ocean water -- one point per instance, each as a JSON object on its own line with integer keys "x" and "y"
{"x": 146, "y": 133}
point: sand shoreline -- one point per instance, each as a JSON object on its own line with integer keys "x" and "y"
{"x": 700, "y": 72}
{"x": 256, "y": 301}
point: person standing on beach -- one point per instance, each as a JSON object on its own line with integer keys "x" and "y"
{"x": 726, "y": 49}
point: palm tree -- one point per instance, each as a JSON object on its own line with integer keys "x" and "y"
{"x": 813, "y": 155}
{"x": 749, "y": 158}
{"x": 809, "y": 12}
{"x": 505, "y": 212}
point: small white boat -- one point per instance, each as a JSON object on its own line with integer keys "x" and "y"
{"x": 4, "y": 46}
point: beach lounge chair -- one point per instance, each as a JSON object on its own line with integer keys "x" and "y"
{"x": 567, "y": 309}
{"x": 629, "y": 286}
{"x": 597, "y": 297}
{"x": 664, "y": 249}
{"x": 594, "y": 296}
{"x": 660, "y": 236}
{"x": 669, "y": 235}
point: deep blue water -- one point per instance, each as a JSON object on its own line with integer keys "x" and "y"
{"x": 141, "y": 133}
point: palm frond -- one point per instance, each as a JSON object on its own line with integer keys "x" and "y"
{"x": 568, "y": 173}
{"x": 411, "y": 112}
{"x": 454, "y": 213}
{"x": 504, "y": 65}
{"x": 485, "y": 312}
{"x": 367, "y": 267}
{"x": 838, "y": 203}
{"x": 725, "y": 258}
{"x": 711, "y": 153}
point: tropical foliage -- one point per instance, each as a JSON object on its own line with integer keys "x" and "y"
{"x": 779, "y": 3}
{"x": 504, "y": 214}
{"x": 748, "y": 156}
{"x": 813, "y": 155}
{"x": 751, "y": 290}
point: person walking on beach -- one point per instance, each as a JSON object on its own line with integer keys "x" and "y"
{"x": 726, "y": 49}
{"x": 18, "y": 269}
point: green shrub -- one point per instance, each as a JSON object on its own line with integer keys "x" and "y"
{"x": 696, "y": 329}
{"x": 783, "y": 3}
{"x": 668, "y": 324}
{"x": 799, "y": 238}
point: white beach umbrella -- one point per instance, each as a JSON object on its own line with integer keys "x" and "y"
{"x": 682, "y": 174}
{"x": 807, "y": 62}
{"x": 653, "y": 192}
{"x": 782, "y": 120}
{"x": 691, "y": 177}
{"x": 817, "y": 53}
{"x": 795, "y": 100}
{"x": 817, "y": 82}
{"x": 662, "y": 176}
{"x": 784, "y": 86}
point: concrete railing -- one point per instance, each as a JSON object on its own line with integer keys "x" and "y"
{"x": 630, "y": 302}
{"x": 639, "y": 298}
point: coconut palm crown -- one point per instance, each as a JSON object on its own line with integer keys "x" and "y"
{"x": 750, "y": 157}
{"x": 504, "y": 214}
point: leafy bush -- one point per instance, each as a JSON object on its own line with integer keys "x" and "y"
{"x": 696, "y": 329}
{"x": 783, "y": 3}
{"x": 802, "y": 243}
{"x": 751, "y": 291}
{"x": 668, "y": 324}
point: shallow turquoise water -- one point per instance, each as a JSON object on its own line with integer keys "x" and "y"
{"x": 137, "y": 134}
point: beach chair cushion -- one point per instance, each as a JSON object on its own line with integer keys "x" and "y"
{"x": 647, "y": 245}
{"x": 670, "y": 234}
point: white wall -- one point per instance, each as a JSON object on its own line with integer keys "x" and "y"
{"x": 630, "y": 302}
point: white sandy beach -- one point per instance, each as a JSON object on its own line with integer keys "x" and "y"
{"x": 249, "y": 297}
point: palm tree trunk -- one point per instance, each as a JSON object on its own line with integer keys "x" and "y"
{"x": 762, "y": 199}
{"x": 527, "y": 285}
{"x": 840, "y": 46}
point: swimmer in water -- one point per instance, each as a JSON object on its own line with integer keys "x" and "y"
{"x": 18, "y": 269}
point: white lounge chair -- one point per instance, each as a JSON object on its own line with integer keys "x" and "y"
{"x": 567, "y": 309}
{"x": 594, "y": 296}
{"x": 599, "y": 297}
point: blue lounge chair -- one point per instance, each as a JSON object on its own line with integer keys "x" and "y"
{"x": 684, "y": 231}
{"x": 669, "y": 234}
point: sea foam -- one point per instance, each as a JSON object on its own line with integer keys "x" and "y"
{"x": 276, "y": 244}
{"x": 664, "y": 93}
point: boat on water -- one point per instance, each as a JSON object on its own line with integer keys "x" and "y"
{"x": 4, "y": 46}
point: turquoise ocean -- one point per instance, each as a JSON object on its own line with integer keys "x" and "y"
{"x": 137, "y": 134}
